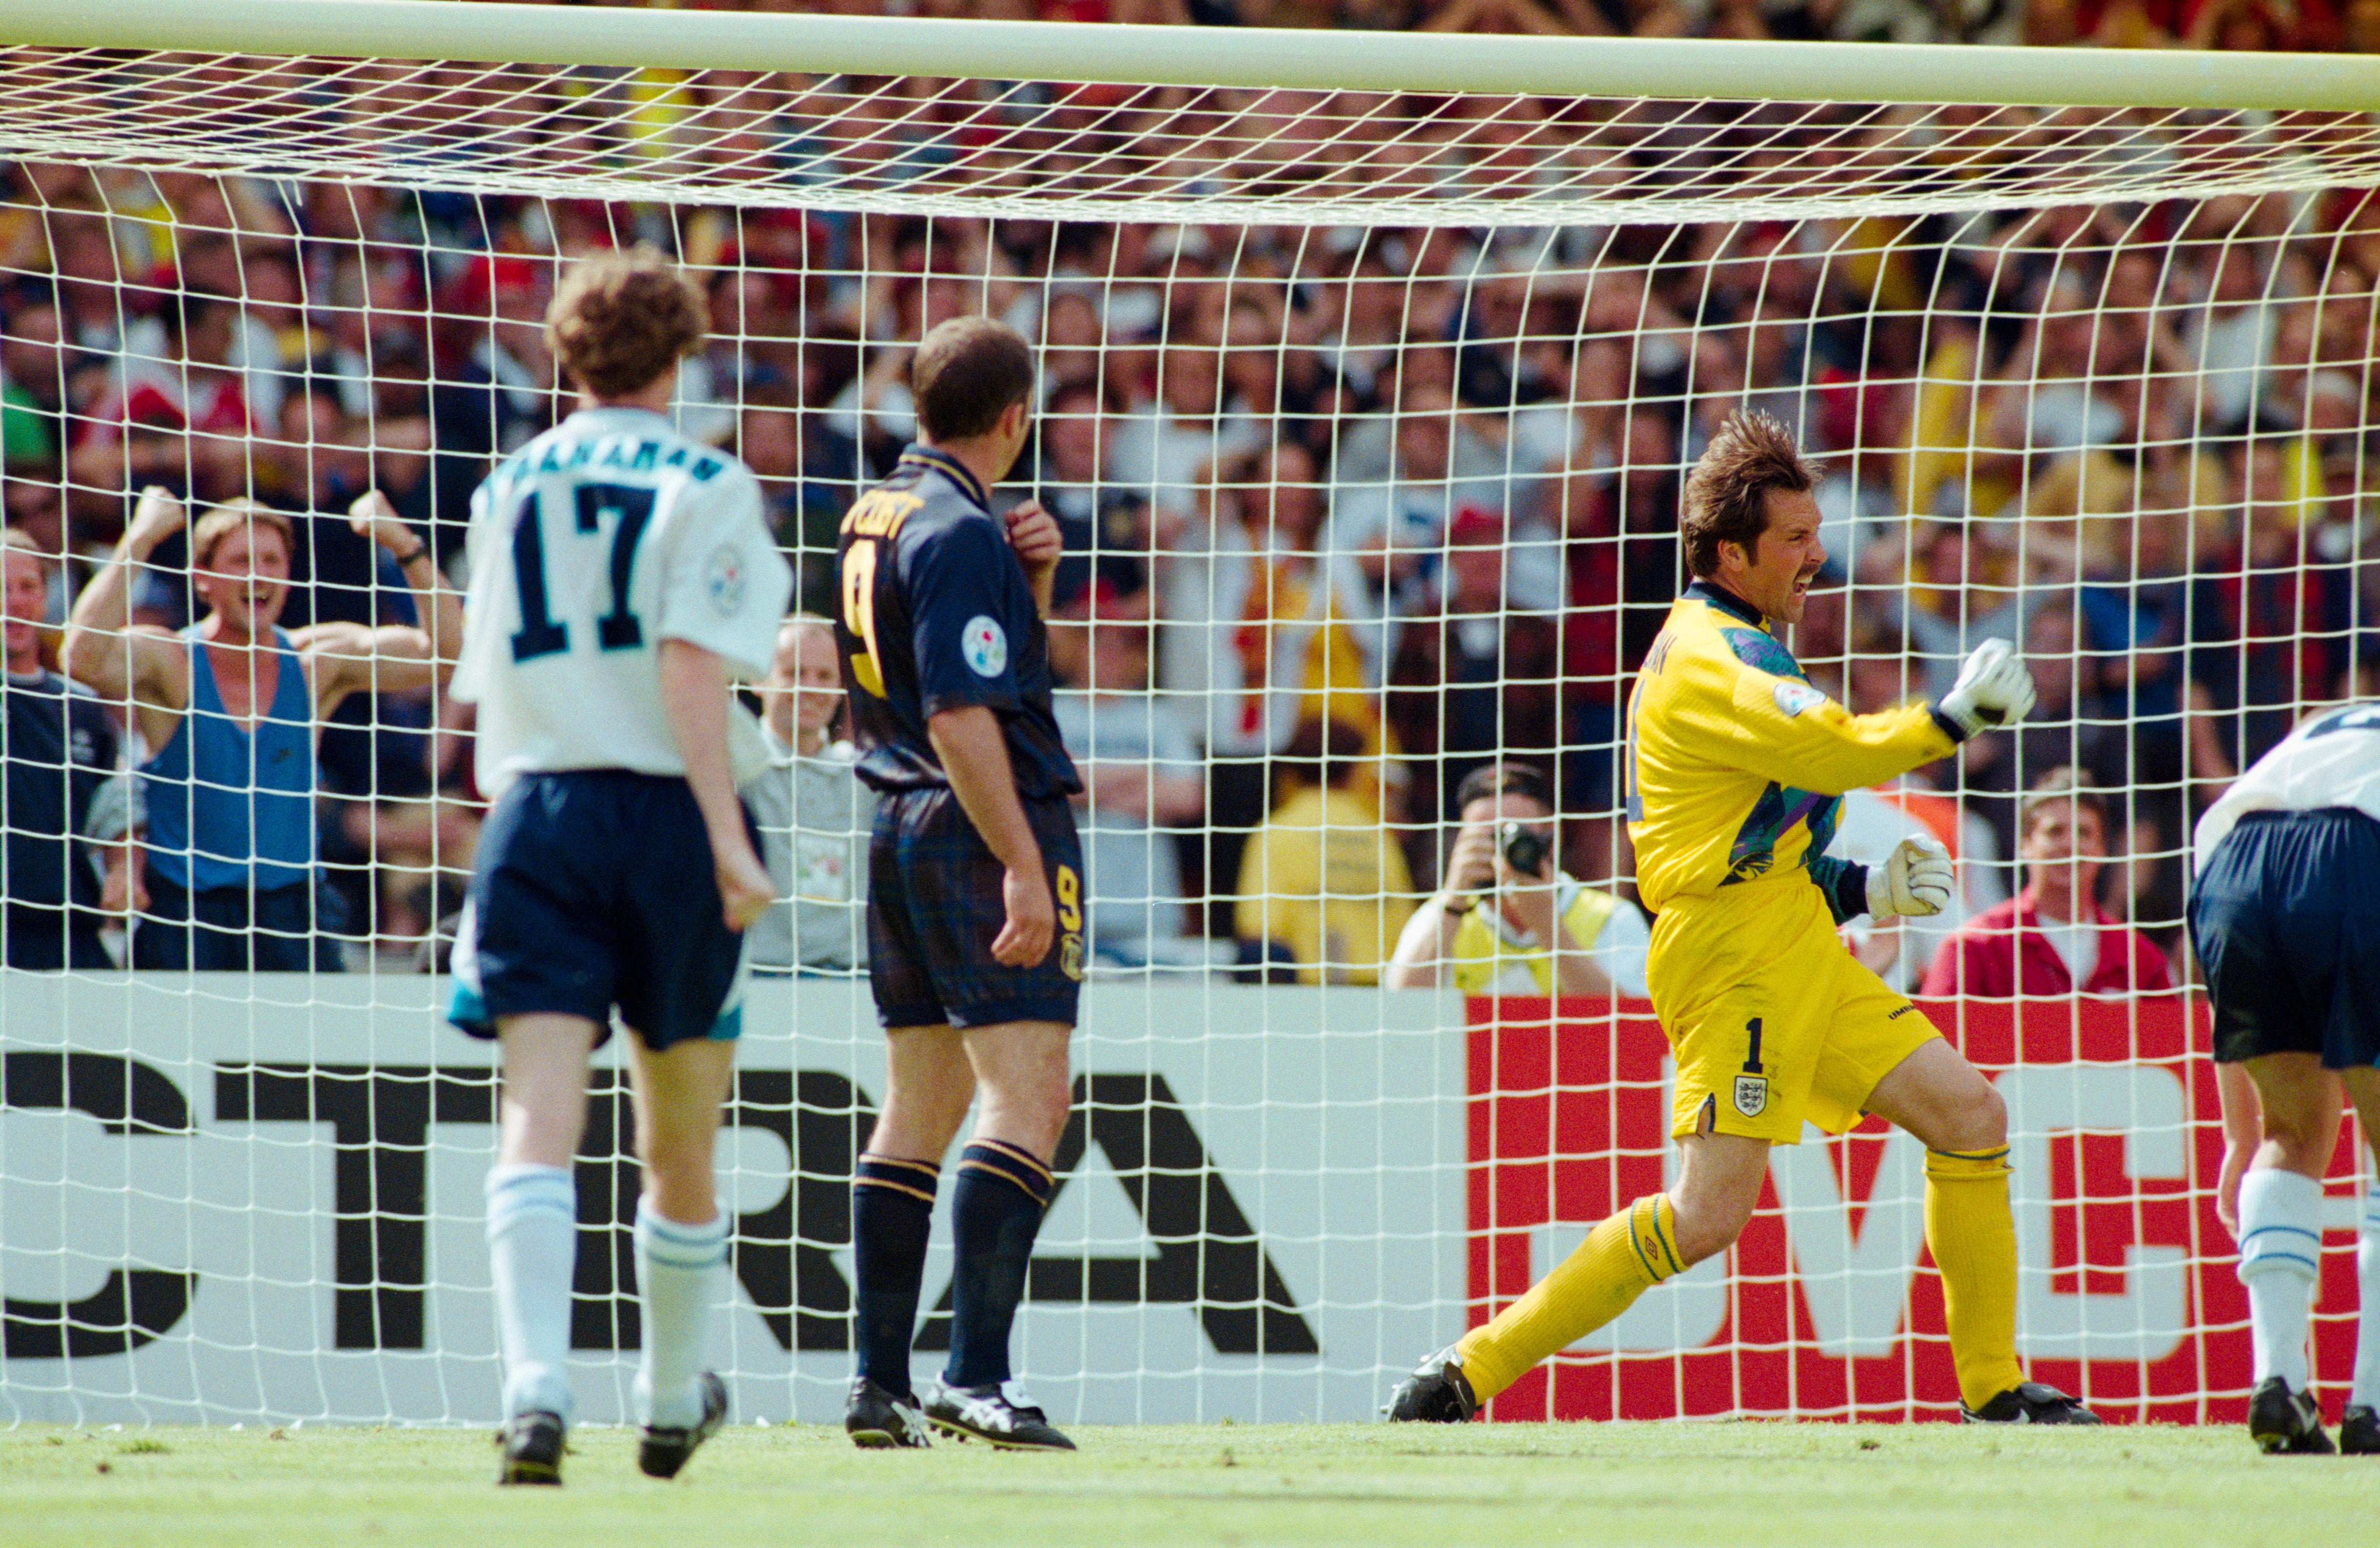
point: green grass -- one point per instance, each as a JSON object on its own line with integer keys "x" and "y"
{"x": 1367, "y": 1485}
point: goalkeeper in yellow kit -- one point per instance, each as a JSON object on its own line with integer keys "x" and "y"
{"x": 1735, "y": 768}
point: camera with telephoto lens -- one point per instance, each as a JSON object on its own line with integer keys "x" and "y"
{"x": 1524, "y": 848}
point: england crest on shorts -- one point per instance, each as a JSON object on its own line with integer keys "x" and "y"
{"x": 1751, "y": 1095}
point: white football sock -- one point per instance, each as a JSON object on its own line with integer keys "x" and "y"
{"x": 2280, "y": 1252}
{"x": 2366, "y": 1390}
{"x": 676, "y": 1267}
{"x": 533, "y": 1251}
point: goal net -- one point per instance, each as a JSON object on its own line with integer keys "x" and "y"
{"x": 1365, "y": 405}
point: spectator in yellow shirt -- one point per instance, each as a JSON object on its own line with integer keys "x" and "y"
{"x": 1323, "y": 881}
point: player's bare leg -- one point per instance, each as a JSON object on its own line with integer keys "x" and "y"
{"x": 681, "y": 1244}
{"x": 1002, "y": 1190}
{"x": 1946, "y": 1102}
{"x": 533, "y": 1233}
{"x": 1025, "y": 1071}
{"x": 542, "y": 1111}
{"x": 2358, "y": 1432}
{"x": 929, "y": 1086}
{"x": 2279, "y": 1213}
{"x": 1655, "y": 1238}
{"x": 1718, "y": 1184}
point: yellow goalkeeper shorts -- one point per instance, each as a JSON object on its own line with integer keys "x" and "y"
{"x": 1771, "y": 1019}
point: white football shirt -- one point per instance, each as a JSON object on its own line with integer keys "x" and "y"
{"x": 2331, "y": 760}
{"x": 597, "y": 541}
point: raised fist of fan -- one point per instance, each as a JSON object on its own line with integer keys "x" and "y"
{"x": 1916, "y": 881}
{"x": 1993, "y": 689}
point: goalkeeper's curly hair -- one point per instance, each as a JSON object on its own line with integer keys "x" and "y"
{"x": 1727, "y": 494}
{"x": 620, "y": 319}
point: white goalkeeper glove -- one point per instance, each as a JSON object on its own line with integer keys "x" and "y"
{"x": 1915, "y": 881}
{"x": 1993, "y": 689}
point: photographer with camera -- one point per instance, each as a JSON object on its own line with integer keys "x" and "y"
{"x": 1506, "y": 920}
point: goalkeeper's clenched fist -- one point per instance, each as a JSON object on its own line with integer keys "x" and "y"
{"x": 1915, "y": 882}
{"x": 1993, "y": 689}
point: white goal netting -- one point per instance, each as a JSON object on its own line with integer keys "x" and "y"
{"x": 1365, "y": 414}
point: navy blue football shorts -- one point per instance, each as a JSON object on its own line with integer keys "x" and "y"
{"x": 934, "y": 908}
{"x": 2286, "y": 919}
{"x": 593, "y": 890}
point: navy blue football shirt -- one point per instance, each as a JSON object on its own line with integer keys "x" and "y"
{"x": 937, "y": 615}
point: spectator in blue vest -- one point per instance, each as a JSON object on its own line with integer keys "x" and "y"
{"x": 229, "y": 709}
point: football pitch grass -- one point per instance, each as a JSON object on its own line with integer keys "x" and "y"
{"x": 1367, "y": 1485}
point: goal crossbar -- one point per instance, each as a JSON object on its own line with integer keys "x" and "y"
{"x": 1669, "y": 69}
{"x": 1034, "y": 121}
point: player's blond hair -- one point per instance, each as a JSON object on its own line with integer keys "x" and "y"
{"x": 620, "y": 319}
{"x": 1727, "y": 494}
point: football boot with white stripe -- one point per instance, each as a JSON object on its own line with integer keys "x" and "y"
{"x": 2359, "y": 1431}
{"x": 1434, "y": 1394}
{"x": 877, "y": 1419}
{"x": 2285, "y": 1423}
{"x": 1003, "y": 1415}
{"x": 2030, "y": 1403}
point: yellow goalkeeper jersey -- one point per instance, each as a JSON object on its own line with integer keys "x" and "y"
{"x": 1736, "y": 765}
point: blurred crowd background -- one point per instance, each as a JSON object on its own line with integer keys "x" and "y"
{"x": 1352, "y": 511}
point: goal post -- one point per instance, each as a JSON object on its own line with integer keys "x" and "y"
{"x": 1679, "y": 69}
{"x": 1372, "y": 364}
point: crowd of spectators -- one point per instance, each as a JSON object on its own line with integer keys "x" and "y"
{"x": 1351, "y": 512}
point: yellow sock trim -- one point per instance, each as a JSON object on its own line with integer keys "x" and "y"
{"x": 1625, "y": 1255}
{"x": 1974, "y": 1239}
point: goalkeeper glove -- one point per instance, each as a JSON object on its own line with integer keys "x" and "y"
{"x": 1993, "y": 689}
{"x": 1915, "y": 881}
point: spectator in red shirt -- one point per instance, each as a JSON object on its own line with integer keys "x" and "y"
{"x": 2052, "y": 938}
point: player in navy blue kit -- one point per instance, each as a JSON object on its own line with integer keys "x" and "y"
{"x": 2285, "y": 919}
{"x": 975, "y": 915}
{"x": 619, "y": 571}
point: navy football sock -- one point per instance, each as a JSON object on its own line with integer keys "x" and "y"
{"x": 996, "y": 1209}
{"x": 892, "y": 1210}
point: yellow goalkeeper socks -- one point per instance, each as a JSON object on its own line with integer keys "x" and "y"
{"x": 1624, "y": 1256}
{"x": 1973, "y": 1240}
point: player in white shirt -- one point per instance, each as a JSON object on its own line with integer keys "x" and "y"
{"x": 2285, "y": 917}
{"x": 619, "y": 573}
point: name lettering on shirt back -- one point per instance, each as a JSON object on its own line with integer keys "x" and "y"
{"x": 879, "y": 512}
{"x": 627, "y": 452}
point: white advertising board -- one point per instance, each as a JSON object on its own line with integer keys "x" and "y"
{"x": 251, "y": 1198}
